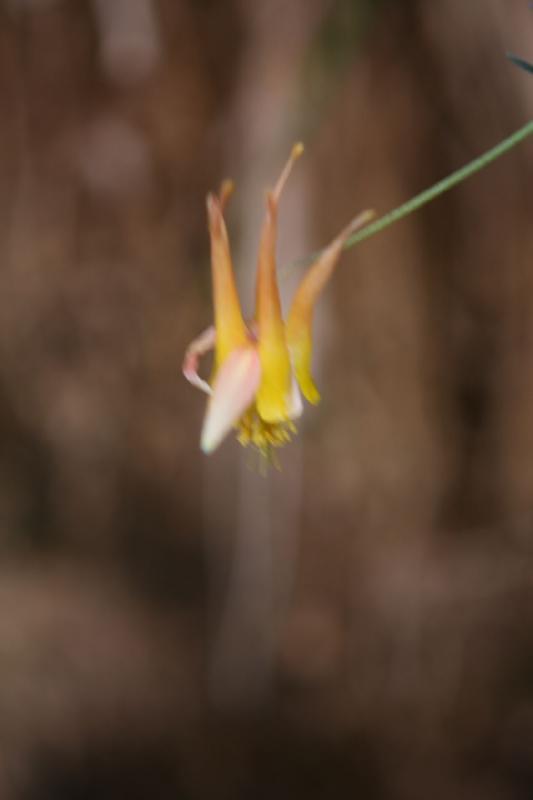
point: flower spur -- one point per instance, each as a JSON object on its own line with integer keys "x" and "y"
{"x": 259, "y": 366}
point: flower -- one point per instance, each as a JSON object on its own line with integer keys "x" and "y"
{"x": 259, "y": 366}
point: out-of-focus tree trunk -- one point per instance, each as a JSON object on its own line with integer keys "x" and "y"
{"x": 267, "y": 516}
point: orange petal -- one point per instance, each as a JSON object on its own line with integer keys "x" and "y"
{"x": 299, "y": 322}
{"x": 233, "y": 392}
{"x": 231, "y": 331}
{"x": 273, "y": 397}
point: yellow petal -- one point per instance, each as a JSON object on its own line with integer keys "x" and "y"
{"x": 231, "y": 331}
{"x": 274, "y": 395}
{"x": 300, "y": 320}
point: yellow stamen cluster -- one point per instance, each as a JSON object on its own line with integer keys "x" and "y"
{"x": 265, "y": 436}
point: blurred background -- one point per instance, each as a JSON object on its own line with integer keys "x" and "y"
{"x": 360, "y": 623}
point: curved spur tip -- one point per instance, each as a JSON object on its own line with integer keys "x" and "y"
{"x": 297, "y": 150}
{"x": 361, "y": 220}
{"x": 226, "y": 190}
{"x": 367, "y": 216}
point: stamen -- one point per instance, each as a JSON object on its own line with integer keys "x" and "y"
{"x": 263, "y": 436}
{"x": 296, "y": 152}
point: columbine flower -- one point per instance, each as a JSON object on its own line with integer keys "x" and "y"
{"x": 259, "y": 365}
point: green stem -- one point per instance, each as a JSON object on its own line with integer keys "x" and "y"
{"x": 442, "y": 186}
{"x": 430, "y": 194}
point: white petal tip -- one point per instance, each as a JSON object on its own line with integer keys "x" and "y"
{"x": 234, "y": 389}
{"x": 296, "y": 404}
{"x": 213, "y": 432}
{"x": 209, "y": 441}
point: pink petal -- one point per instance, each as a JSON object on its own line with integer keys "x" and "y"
{"x": 201, "y": 345}
{"x": 234, "y": 389}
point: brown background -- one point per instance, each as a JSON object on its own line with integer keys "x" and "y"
{"x": 360, "y": 624}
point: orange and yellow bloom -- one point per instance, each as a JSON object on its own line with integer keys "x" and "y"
{"x": 260, "y": 366}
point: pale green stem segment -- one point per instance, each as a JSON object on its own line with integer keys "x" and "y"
{"x": 442, "y": 186}
{"x": 434, "y": 191}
